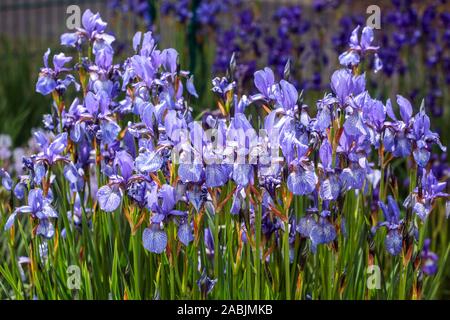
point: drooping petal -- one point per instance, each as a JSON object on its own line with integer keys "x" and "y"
{"x": 69, "y": 39}
{"x": 109, "y": 198}
{"x": 390, "y": 110}
{"x": 149, "y": 161}
{"x": 302, "y": 182}
{"x": 110, "y": 131}
{"x": 45, "y": 228}
{"x": 59, "y": 144}
{"x": 137, "y": 40}
{"x": 45, "y": 85}
{"x": 349, "y": 58}
{"x": 323, "y": 232}
{"x": 394, "y": 209}
{"x": 421, "y": 156}
{"x": 154, "y": 239}
{"x": 330, "y": 188}
{"x": 347, "y": 179}
{"x": 305, "y": 225}
{"x": 6, "y": 179}
{"x": 190, "y": 172}
{"x": 71, "y": 173}
{"x": 216, "y": 175}
{"x": 185, "y": 234}
{"x": 420, "y": 210}
{"x": 402, "y": 147}
{"x": 354, "y": 125}
{"x": 242, "y": 174}
{"x": 393, "y": 242}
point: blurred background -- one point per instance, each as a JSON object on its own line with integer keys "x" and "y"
{"x": 414, "y": 40}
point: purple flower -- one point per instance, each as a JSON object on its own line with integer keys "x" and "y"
{"x": 424, "y": 138}
{"x": 5, "y": 145}
{"x": 206, "y": 284}
{"x": 306, "y": 224}
{"x": 222, "y": 86}
{"x": 425, "y": 194}
{"x": 429, "y": 259}
{"x": 394, "y": 224}
{"x": 162, "y": 204}
{"x": 93, "y": 30}
{"x": 345, "y": 84}
{"x": 302, "y": 181}
{"x": 51, "y": 151}
{"x": 6, "y": 179}
{"x": 39, "y": 207}
{"x": 358, "y": 48}
{"x": 323, "y": 231}
{"x": 48, "y": 78}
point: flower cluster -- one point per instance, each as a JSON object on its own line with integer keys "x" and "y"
{"x": 129, "y": 140}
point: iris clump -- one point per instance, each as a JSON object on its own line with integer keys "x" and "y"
{"x": 265, "y": 198}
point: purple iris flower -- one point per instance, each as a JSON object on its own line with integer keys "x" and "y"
{"x": 395, "y": 136}
{"x": 425, "y": 194}
{"x": 39, "y": 207}
{"x": 197, "y": 196}
{"x": 162, "y": 204}
{"x": 75, "y": 216}
{"x": 410, "y": 134}
{"x": 306, "y": 224}
{"x": 374, "y": 115}
{"x": 325, "y": 113}
{"x": 424, "y": 138}
{"x": 93, "y": 30}
{"x": 51, "y": 151}
{"x": 149, "y": 161}
{"x": 323, "y": 231}
{"x": 393, "y": 223}
{"x": 358, "y": 48}
{"x": 222, "y": 86}
{"x": 429, "y": 259}
{"x": 301, "y": 181}
{"x": 206, "y": 284}
{"x": 169, "y": 59}
{"x": 354, "y": 124}
{"x": 6, "y": 179}
{"x": 110, "y": 196}
{"x": 5, "y": 145}
{"x": 345, "y": 84}
{"x": 48, "y": 78}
